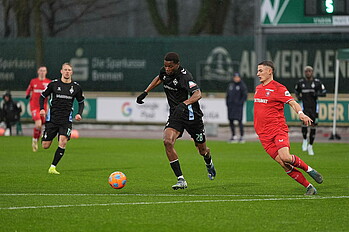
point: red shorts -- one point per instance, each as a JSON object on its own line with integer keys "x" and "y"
{"x": 272, "y": 144}
{"x": 36, "y": 116}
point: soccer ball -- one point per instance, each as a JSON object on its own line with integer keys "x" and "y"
{"x": 74, "y": 134}
{"x": 117, "y": 180}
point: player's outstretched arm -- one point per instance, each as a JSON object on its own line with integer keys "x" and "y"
{"x": 155, "y": 82}
{"x": 297, "y": 108}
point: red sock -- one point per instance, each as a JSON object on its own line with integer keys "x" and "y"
{"x": 298, "y": 176}
{"x": 297, "y": 162}
{"x": 36, "y": 133}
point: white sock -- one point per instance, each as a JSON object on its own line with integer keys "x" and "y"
{"x": 35, "y": 139}
{"x": 180, "y": 177}
{"x": 309, "y": 169}
{"x": 52, "y": 166}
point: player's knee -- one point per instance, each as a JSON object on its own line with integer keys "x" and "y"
{"x": 45, "y": 145}
{"x": 168, "y": 142}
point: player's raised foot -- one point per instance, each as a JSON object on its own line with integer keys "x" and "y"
{"x": 316, "y": 176}
{"x": 305, "y": 145}
{"x": 35, "y": 145}
{"x": 181, "y": 184}
{"x": 311, "y": 190}
{"x": 211, "y": 171}
{"x": 310, "y": 150}
{"x": 52, "y": 170}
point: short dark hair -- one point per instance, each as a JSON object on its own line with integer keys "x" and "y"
{"x": 268, "y": 63}
{"x": 172, "y": 56}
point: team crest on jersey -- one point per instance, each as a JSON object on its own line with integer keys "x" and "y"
{"x": 287, "y": 93}
{"x": 71, "y": 90}
{"x": 191, "y": 84}
{"x": 268, "y": 92}
{"x": 59, "y": 88}
{"x": 313, "y": 85}
{"x": 175, "y": 82}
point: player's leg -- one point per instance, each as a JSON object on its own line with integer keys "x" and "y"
{"x": 37, "y": 128}
{"x": 305, "y": 141}
{"x": 196, "y": 130}
{"x": 293, "y": 160}
{"x": 205, "y": 152}
{"x": 241, "y": 126}
{"x": 232, "y": 129}
{"x": 48, "y": 135}
{"x": 63, "y": 137}
{"x": 311, "y": 139}
{"x": 314, "y": 116}
{"x": 169, "y": 138}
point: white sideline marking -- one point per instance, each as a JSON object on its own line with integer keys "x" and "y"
{"x": 171, "y": 202}
{"x": 145, "y": 195}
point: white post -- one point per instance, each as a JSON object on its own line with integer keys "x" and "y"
{"x": 335, "y": 100}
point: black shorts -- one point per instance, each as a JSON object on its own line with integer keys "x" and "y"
{"x": 52, "y": 129}
{"x": 194, "y": 127}
{"x": 313, "y": 115}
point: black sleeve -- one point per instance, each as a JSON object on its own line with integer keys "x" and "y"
{"x": 297, "y": 91}
{"x": 45, "y": 94}
{"x": 321, "y": 90}
{"x": 80, "y": 98}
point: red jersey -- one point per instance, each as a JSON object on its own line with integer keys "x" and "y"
{"x": 35, "y": 88}
{"x": 269, "y": 102}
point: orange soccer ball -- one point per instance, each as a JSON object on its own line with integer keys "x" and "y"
{"x": 117, "y": 180}
{"x": 74, "y": 134}
{"x": 2, "y": 131}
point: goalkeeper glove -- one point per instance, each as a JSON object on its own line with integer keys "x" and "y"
{"x": 141, "y": 97}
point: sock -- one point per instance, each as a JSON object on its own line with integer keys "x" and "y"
{"x": 58, "y": 156}
{"x": 207, "y": 158}
{"x": 176, "y": 167}
{"x": 36, "y": 133}
{"x": 309, "y": 169}
{"x": 298, "y": 176}
{"x": 297, "y": 162}
{"x": 304, "y": 132}
{"x": 312, "y": 136}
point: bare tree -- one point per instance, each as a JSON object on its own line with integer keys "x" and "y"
{"x": 7, "y": 5}
{"x": 169, "y": 28}
{"x": 22, "y": 9}
{"x": 211, "y": 18}
{"x": 39, "y": 43}
{"x": 59, "y": 15}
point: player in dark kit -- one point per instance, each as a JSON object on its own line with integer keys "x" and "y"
{"x": 59, "y": 117}
{"x": 308, "y": 90}
{"x": 183, "y": 95}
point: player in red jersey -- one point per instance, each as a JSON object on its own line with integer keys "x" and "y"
{"x": 34, "y": 90}
{"x": 271, "y": 128}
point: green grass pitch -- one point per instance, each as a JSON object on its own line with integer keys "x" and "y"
{"x": 251, "y": 192}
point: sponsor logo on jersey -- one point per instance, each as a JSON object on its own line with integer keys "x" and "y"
{"x": 259, "y": 100}
{"x": 191, "y": 84}
{"x": 170, "y": 88}
{"x": 287, "y": 94}
{"x": 64, "y": 96}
